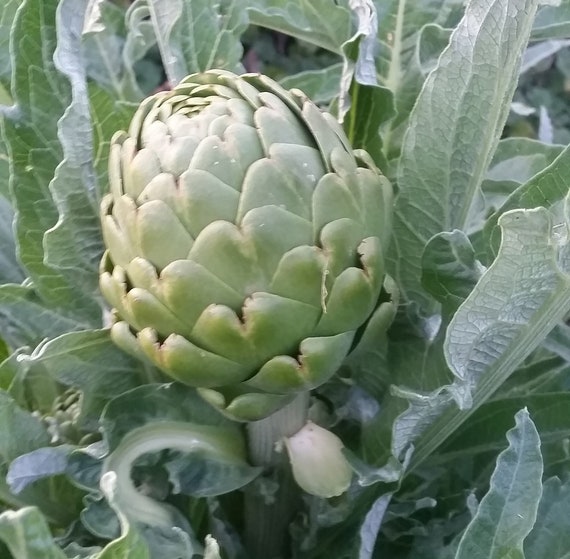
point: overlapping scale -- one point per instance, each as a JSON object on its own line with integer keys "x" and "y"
{"x": 268, "y": 182}
{"x": 204, "y": 198}
{"x": 211, "y": 156}
{"x": 162, "y": 237}
{"x": 301, "y": 275}
{"x": 273, "y": 231}
{"x": 188, "y": 363}
{"x": 318, "y": 360}
{"x": 115, "y": 239}
{"x": 340, "y": 240}
{"x": 269, "y": 325}
{"x": 183, "y": 286}
{"x": 222, "y": 249}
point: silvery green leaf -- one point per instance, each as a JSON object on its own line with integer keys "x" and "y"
{"x": 519, "y": 159}
{"x": 521, "y": 109}
{"x": 552, "y": 21}
{"x": 446, "y": 151}
{"x": 109, "y": 115}
{"x": 486, "y": 428}
{"x": 546, "y": 188}
{"x": 402, "y": 47}
{"x": 371, "y": 525}
{"x": 20, "y": 431}
{"x": 359, "y": 69}
{"x": 7, "y": 14}
{"x": 74, "y": 243}
{"x": 10, "y": 270}
{"x": 173, "y": 418}
{"x": 507, "y": 513}
{"x": 515, "y": 304}
{"x": 550, "y": 536}
{"x": 432, "y": 41}
{"x": 26, "y": 319}
{"x": 304, "y": 20}
{"x": 28, "y": 535}
{"x": 42, "y": 96}
{"x": 545, "y": 128}
{"x": 450, "y": 269}
{"x": 110, "y": 34}
{"x": 198, "y": 35}
{"x": 37, "y": 464}
{"x": 558, "y": 341}
{"x": 320, "y": 85}
{"x": 535, "y": 54}
{"x": 89, "y": 361}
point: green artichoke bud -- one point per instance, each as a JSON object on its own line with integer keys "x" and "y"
{"x": 244, "y": 240}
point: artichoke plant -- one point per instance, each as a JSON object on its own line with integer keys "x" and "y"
{"x": 245, "y": 240}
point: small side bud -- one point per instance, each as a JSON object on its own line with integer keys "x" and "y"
{"x": 319, "y": 466}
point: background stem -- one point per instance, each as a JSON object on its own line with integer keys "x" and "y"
{"x": 267, "y": 516}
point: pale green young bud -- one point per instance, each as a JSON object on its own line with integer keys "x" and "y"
{"x": 319, "y": 466}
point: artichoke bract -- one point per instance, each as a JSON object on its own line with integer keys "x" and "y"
{"x": 244, "y": 240}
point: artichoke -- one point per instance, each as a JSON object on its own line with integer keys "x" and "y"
{"x": 244, "y": 240}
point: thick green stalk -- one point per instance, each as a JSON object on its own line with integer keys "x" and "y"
{"x": 268, "y": 516}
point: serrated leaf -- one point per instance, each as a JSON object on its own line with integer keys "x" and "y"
{"x": 42, "y": 96}
{"x": 27, "y": 535}
{"x": 198, "y": 35}
{"x": 446, "y": 152}
{"x": 507, "y": 512}
{"x": 513, "y": 307}
{"x": 523, "y": 284}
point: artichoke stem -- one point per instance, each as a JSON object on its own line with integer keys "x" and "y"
{"x": 268, "y": 517}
